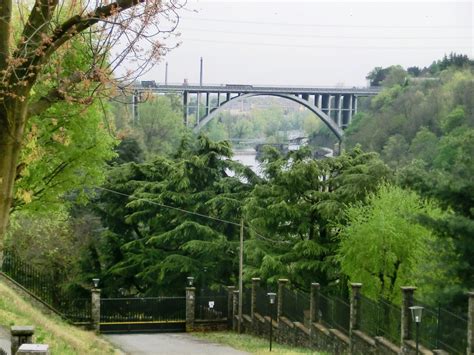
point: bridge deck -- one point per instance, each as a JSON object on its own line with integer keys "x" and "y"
{"x": 369, "y": 91}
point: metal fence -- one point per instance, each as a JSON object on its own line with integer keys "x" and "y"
{"x": 46, "y": 287}
{"x": 247, "y": 301}
{"x": 335, "y": 312}
{"x": 380, "y": 318}
{"x": 142, "y": 309}
{"x": 263, "y": 306}
{"x": 441, "y": 329}
{"x": 211, "y": 305}
{"x": 296, "y": 305}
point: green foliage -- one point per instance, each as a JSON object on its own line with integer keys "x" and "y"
{"x": 383, "y": 244}
{"x": 160, "y": 125}
{"x": 425, "y": 130}
{"x": 299, "y": 207}
{"x": 152, "y": 244}
{"x": 67, "y": 146}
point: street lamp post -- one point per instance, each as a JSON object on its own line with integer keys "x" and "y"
{"x": 272, "y": 298}
{"x": 416, "y": 314}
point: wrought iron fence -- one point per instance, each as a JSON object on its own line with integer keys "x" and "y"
{"x": 296, "y": 305}
{"x": 441, "y": 329}
{"x": 211, "y": 305}
{"x": 142, "y": 309}
{"x": 46, "y": 287}
{"x": 247, "y": 301}
{"x": 335, "y": 312}
{"x": 380, "y": 318}
{"x": 263, "y": 306}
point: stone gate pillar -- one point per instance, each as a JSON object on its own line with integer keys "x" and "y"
{"x": 354, "y": 323}
{"x": 407, "y": 301}
{"x": 95, "y": 309}
{"x": 190, "y": 308}
{"x": 470, "y": 325}
{"x": 314, "y": 303}
{"x": 281, "y": 286}
{"x": 253, "y": 300}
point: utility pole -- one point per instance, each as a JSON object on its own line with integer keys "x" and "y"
{"x": 241, "y": 268}
{"x": 200, "y": 74}
{"x": 198, "y": 113}
{"x": 166, "y": 74}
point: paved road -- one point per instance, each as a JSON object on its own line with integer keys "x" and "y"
{"x": 169, "y": 344}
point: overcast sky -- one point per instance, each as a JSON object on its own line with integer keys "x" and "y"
{"x": 312, "y": 42}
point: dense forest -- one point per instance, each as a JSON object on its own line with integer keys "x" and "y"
{"x": 142, "y": 205}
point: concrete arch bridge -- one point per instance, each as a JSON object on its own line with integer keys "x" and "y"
{"x": 334, "y": 106}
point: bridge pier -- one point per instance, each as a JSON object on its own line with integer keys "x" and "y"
{"x": 185, "y": 108}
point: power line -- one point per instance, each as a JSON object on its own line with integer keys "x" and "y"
{"x": 289, "y": 45}
{"x": 272, "y": 34}
{"x": 320, "y": 24}
{"x": 259, "y": 236}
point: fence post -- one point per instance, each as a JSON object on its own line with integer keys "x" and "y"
{"x": 230, "y": 315}
{"x": 354, "y": 322}
{"x": 253, "y": 300}
{"x": 190, "y": 308}
{"x": 95, "y": 308}
{"x": 406, "y": 323}
{"x": 470, "y": 325}
{"x": 281, "y": 286}
{"x": 314, "y": 303}
{"x": 235, "y": 309}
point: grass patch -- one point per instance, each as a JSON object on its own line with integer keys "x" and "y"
{"x": 61, "y": 337}
{"x": 251, "y": 343}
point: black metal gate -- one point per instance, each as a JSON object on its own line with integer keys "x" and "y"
{"x": 150, "y": 314}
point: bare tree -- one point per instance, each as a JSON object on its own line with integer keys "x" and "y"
{"x": 33, "y": 38}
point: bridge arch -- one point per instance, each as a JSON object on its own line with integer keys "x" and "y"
{"x": 338, "y": 132}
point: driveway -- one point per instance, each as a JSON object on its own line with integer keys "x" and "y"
{"x": 168, "y": 344}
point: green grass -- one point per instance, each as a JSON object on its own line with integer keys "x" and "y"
{"x": 251, "y": 343}
{"x": 61, "y": 337}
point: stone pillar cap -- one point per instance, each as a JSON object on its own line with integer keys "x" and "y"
{"x": 43, "y": 348}
{"x": 315, "y": 284}
{"x": 356, "y": 284}
{"x": 22, "y": 329}
{"x": 408, "y": 288}
{"x": 230, "y": 287}
{"x": 256, "y": 279}
{"x": 471, "y": 293}
{"x": 283, "y": 280}
{"x": 236, "y": 291}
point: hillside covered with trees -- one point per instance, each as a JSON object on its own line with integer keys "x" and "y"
{"x": 154, "y": 204}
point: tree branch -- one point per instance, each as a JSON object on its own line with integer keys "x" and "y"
{"x": 78, "y": 23}
{"x": 38, "y": 21}
{"x": 5, "y": 29}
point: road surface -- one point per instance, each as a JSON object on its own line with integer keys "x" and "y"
{"x": 169, "y": 344}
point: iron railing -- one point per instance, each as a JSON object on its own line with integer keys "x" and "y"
{"x": 335, "y": 312}
{"x": 296, "y": 305}
{"x": 211, "y": 305}
{"x": 142, "y": 309}
{"x": 47, "y": 288}
{"x": 380, "y": 318}
{"x": 441, "y": 329}
{"x": 263, "y": 306}
{"x": 247, "y": 301}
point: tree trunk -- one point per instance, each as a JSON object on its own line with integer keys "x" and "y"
{"x": 12, "y": 125}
